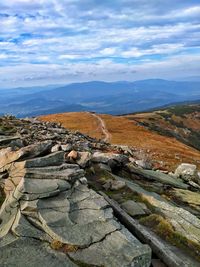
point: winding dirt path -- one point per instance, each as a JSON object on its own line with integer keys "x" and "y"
{"x": 103, "y": 128}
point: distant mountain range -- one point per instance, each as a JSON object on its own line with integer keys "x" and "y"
{"x": 102, "y": 97}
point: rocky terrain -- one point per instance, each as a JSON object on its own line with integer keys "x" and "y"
{"x": 71, "y": 200}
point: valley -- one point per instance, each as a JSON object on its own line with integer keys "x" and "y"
{"x": 114, "y": 98}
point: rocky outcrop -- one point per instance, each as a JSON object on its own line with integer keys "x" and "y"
{"x": 53, "y": 213}
{"x": 50, "y": 215}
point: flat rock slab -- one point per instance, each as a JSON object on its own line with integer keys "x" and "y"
{"x": 190, "y": 198}
{"x": 28, "y": 252}
{"x": 5, "y": 140}
{"x": 74, "y": 215}
{"x": 133, "y": 208}
{"x": 169, "y": 254}
{"x": 53, "y": 159}
{"x": 184, "y": 222}
{"x": 159, "y": 177}
{"x": 8, "y": 155}
{"x": 99, "y": 157}
{"x": 116, "y": 250}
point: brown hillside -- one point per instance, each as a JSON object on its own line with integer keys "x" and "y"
{"x": 166, "y": 152}
{"x": 180, "y": 121}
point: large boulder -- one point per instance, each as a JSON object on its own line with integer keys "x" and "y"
{"x": 187, "y": 172}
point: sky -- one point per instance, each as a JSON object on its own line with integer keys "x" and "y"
{"x": 61, "y": 41}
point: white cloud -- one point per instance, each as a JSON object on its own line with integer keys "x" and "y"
{"x": 72, "y": 38}
{"x": 109, "y": 51}
{"x": 191, "y": 11}
{"x": 68, "y": 56}
{"x": 3, "y": 56}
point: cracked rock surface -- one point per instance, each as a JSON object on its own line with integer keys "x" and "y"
{"x": 47, "y": 201}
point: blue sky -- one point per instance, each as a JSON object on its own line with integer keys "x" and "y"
{"x": 61, "y": 41}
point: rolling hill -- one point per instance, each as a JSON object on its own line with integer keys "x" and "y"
{"x": 164, "y": 150}
{"x": 180, "y": 121}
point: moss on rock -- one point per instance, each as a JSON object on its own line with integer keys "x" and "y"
{"x": 164, "y": 229}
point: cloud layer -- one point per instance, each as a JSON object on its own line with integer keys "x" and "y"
{"x": 61, "y": 41}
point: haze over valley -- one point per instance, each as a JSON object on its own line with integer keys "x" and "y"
{"x": 102, "y": 97}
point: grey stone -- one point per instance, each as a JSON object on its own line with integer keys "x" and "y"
{"x": 66, "y": 148}
{"x": 117, "y": 185}
{"x": 55, "y": 148}
{"x": 192, "y": 199}
{"x": 85, "y": 223}
{"x": 145, "y": 164}
{"x": 8, "y": 155}
{"x": 169, "y": 254}
{"x": 65, "y": 174}
{"x": 83, "y": 180}
{"x": 23, "y": 228}
{"x": 157, "y": 176}
{"x": 28, "y": 252}
{"x": 83, "y": 159}
{"x": 7, "y": 239}
{"x": 184, "y": 222}
{"x": 115, "y": 251}
{"x": 48, "y": 200}
{"x": 56, "y": 158}
{"x": 114, "y": 185}
{"x": 157, "y": 263}
{"x": 6, "y": 140}
{"x": 103, "y": 166}
{"x": 43, "y": 186}
{"x": 100, "y": 157}
{"x": 133, "y": 208}
{"x": 187, "y": 172}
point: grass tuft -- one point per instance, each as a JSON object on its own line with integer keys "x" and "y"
{"x": 164, "y": 229}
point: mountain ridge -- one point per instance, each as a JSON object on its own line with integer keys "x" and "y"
{"x": 102, "y": 97}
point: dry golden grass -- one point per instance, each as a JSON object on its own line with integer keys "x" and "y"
{"x": 164, "y": 229}
{"x": 169, "y": 150}
{"x": 77, "y": 121}
{"x": 58, "y": 245}
{"x": 126, "y": 132}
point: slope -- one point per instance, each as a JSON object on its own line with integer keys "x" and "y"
{"x": 180, "y": 121}
{"x": 164, "y": 152}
